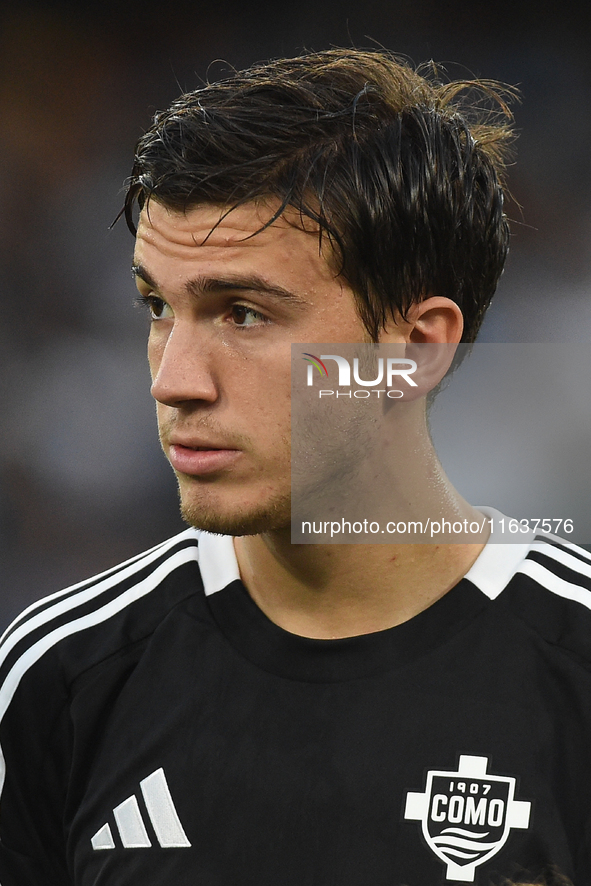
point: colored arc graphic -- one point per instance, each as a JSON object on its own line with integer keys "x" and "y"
{"x": 317, "y": 362}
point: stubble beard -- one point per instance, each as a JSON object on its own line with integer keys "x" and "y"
{"x": 199, "y": 511}
{"x": 270, "y": 516}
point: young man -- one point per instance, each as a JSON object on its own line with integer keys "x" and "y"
{"x": 230, "y": 708}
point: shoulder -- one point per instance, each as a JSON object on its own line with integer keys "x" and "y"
{"x": 62, "y": 662}
{"x": 94, "y": 619}
{"x": 546, "y": 583}
{"x": 67, "y": 658}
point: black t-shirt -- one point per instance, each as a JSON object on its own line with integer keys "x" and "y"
{"x": 158, "y": 729}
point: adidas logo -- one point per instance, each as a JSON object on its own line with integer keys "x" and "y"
{"x": 130, "y": 824}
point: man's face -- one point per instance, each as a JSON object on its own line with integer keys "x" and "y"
{"x": 224, "y": 314}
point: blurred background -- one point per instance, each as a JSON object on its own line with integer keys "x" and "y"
{"x": 82, "y": 481}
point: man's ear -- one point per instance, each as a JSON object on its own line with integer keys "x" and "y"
{"x": 436, "y": 320}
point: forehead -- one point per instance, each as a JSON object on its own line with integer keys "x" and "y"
{"x": 205, "y": 235}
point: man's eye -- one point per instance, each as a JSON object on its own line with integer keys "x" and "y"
{"x": 243, "y": 316}
{"x": 157, "y": 307}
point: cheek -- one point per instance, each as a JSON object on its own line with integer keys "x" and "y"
{"x": 278, "y": 423}
{"x": 264, "y": 402}
{"x": 156, "y": 345}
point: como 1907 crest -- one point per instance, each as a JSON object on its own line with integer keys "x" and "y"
{"x": 467, "y": 815}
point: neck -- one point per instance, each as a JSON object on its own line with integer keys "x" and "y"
{"x": 341, "y": 590}
{"x": 331, "y": 591}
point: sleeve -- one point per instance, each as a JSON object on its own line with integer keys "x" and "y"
{"x": 35, "y": 748}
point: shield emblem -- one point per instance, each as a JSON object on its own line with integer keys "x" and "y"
{"x": 467, "y": 815}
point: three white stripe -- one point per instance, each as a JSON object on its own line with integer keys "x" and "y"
{"x": 38, "y": 649}
{"x": 543, "y": 576}
{"x": 132, "y": 830}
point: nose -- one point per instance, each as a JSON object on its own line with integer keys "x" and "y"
{"x": 181, "y": 368}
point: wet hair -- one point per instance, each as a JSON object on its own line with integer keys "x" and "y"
{"x": 402, "y": 172}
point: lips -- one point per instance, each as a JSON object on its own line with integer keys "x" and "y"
{"x": 201, "y": 458}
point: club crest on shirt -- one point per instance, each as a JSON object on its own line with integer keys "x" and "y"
{"x": 467, "y": 815}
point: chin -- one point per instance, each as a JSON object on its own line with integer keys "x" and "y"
{"x": 268, "y": 517}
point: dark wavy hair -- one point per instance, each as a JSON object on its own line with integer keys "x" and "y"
{"x": 401, "y": 171}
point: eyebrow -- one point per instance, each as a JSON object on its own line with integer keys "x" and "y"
{"x": 140, "y": 271}
{"x": 203, "y": 285}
